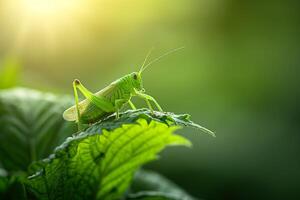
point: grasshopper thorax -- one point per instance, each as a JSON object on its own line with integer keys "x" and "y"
{"x": 131, "y": 82}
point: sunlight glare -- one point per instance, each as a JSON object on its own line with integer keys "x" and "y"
{"x": 48, "y": 8}
{"x": 48, "y": 21}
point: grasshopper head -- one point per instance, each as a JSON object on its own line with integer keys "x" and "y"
{"x": 137, "y": 81}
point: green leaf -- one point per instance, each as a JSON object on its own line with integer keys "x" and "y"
{"x": 11, "y": 186}
{"x": 31, "y": 126}
{"x": 130, "y": 116}
{"x": 150, "y": 185}
{"x": 3, "y": 180}
{"x": 152, "y": 196}
{"x": 100, "y": 162}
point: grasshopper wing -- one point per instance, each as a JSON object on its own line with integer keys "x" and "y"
{"x": 86, "y": 107}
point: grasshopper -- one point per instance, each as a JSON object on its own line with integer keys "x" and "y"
{"x": 110, "y": 99}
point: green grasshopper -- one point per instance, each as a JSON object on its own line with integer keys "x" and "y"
{"x": 110, "y": 99}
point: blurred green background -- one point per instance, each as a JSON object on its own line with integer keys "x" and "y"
{"x": 238, "y": 75}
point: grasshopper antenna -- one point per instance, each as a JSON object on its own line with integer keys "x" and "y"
{"x": 158, "y": 58}
{"x": 146, "y": 58}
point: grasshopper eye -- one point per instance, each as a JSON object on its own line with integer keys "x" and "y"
{"x": 135, "y": 77}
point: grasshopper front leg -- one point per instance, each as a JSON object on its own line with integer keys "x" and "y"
{"x": 118, "y": 105}
{"x": 148, "y": 98}
{"x": 131, "y": 105}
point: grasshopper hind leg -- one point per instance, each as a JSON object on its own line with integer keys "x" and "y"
{"x": 79, "y": 124}
{"x": 100, "y": 102}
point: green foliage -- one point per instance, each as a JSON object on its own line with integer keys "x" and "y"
{"x": 3, "y": 180}
{"x": 150, "y": 185}
{"x": 31, "y": 126}
{"x": 102, "y": 162}
{"x": 98, "y": 163}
